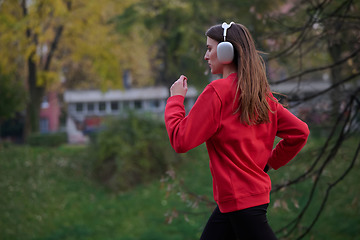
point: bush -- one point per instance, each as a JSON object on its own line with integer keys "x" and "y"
{"x": 130, "y": 151}
{"x": 47, "y": 139}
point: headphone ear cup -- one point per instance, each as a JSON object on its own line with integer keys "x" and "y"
{"x": 225, "y": 52}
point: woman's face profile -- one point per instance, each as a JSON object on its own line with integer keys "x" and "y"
{"x": 211, "y": 56}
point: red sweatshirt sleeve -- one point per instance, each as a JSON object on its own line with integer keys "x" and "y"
{"x": 201, "y": 123}
{"x": 294, "y": 134}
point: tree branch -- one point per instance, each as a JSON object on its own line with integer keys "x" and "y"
{"x": 312, "y": 70}
{"x": 330, "y": 187}
{"x": 53, "y": 47}
{"x": 294, "y": 223}
{"x": 55, "y": 42}
{"x": 305, "y": 29}
{"x": 335, "y": 85}
{"x": 307, "y": 174}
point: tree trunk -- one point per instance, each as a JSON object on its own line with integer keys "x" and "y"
{"x": 336, "y": 75}
{"x": 36, "y": 93}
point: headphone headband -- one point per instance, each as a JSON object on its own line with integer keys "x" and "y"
{"x": 226, "y": 26}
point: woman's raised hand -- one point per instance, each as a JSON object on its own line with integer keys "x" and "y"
{"x": 179, "y": 87}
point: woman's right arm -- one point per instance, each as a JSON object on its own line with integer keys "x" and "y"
{"x": 187, "y": 132}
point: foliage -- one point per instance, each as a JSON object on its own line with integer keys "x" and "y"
{"x": 12, "y": 129}
{"x": 12, "y": 101}
{"x": 30, "y": 30}
{"x": 130, "y": 151}
{"x": 175, "y": 32}
{"x": 11, "y": 97}
{"x": 40, "y": 39}
{"x": 47, "y": 139}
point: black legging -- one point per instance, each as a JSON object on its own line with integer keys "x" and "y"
{"x": 250, "y": 223}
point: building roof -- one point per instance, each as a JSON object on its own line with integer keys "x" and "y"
{"x": 121, "y": 95}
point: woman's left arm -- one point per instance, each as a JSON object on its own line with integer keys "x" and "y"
{"x": 294, "y": 134}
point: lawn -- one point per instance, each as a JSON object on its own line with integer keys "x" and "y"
{"x": 49, "y": 193}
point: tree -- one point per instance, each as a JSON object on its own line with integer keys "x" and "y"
{"x": 327, "y": 38}
{"x": 165, "y": 25}
{"x": 325, "y": 42}
{"x": 40, "y": 37}
{"x": 175, "y": 32}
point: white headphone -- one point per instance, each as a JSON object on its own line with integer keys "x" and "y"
{"x": 225, "y": 50}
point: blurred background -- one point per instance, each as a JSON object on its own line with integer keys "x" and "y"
{"x": 84, "y": 153}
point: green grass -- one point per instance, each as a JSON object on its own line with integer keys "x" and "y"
{"x": 49, "y": 194}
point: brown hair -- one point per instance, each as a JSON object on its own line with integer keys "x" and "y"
{"x": 252, "y": 86}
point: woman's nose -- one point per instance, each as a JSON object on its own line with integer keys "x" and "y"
{"x": 206, "y": 57}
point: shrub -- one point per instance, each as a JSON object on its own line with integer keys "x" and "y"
{"x": 47, "y": 139}
{"x": 130, "y": 151}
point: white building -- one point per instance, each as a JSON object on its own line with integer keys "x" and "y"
{"x": 86, "y": 108}
{"x": 87, "y": 103}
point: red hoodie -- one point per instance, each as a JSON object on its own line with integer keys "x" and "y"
{"x": 238, "y": 152}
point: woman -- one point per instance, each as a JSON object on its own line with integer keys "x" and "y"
{"x": 238, "y": 118}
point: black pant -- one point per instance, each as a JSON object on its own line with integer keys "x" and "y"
{"x": 250, "y": 223}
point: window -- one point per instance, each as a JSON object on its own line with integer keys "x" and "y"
{"x": 79, "y": 107}
{"x": 138, "y": 104}
{"x": 114, "y": 106}
{"x": 44, "y": 125}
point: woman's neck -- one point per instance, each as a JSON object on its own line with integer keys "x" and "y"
{"x": 229, "y": 69}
